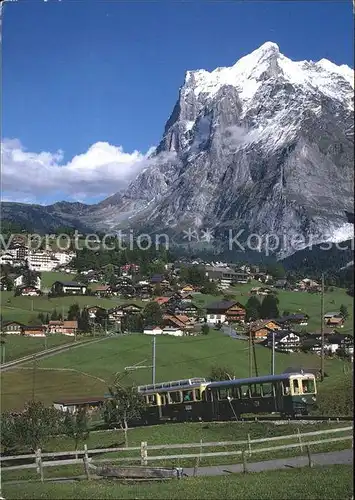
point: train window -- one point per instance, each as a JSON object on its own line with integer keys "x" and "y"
{"x": 208, "y": 395}
{"x": 163, "y": 399}
{"x": 234, "y": 392}
{"x": 152, "y": 399}
{"x": 296, "y": 386}
{"x": 308, "y": 386}
{"x": 187, "y": 395}
{"x": 244, "y": 391}
{"x": 286, "y": 387}
{"x": 175, "y": 397}
{"x": 197, "y": 395}
{"x": 255, "y": 391}
{"x": 267, "y": 390}
{"x": 222, "y": 393}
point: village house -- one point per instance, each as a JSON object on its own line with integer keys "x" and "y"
{"x": 116, "y": 314}
{"x": 262, "y": 328}
{"x": 68, "y": 288}
{"x": 307, "y": 284}
{"x": 91, "y": 404}
{"x": 225, "y": 311}
{"x": 178, "y": 321}
{"x": 103, "y": 291}
{"x": 294, "y": 319}
{"x": 152, "y": 330}
{"x": 42, "y": 260}
{"x": 92, "y": 311}
{"x": 28, "y": 291}
{"x": 334, "y": 319}
{"x": 6, "y": 259}
{"x": 188, "y": 309}
{"x": 172, "y": 330}
{"x": 285, "y": 340}
{"x": 66, "y": 327}
{"x": 12, "y": 328}
{"x": 261, "y": 290}
{"x": 19, "y": 281}
{"x": 162, "y": 300}
{"x": 34, "y": 331}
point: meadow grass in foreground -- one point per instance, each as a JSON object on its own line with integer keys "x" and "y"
{"x": 332, "y": 482}
{"x": 18, "y": 346}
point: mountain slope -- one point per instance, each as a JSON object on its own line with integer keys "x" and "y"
{"x": 265, "y": 146}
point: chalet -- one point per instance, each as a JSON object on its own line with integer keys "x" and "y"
{"x": 336, "y": 322}
{"x": 225, "y": 311}
{"x": 68, "y": 288}
{"x": 177, "y": 321}
{"x": 20, "y": 281}
{"x": 294, "y": 319}
{"x": 131, "y": 309}
{"x": 152, "y": 330}
{"x": 281, "y": 284}
{"x": 29, "y": 291}
{"x": 115, "y": 314}
{"x": 261, "y": 329}
{"x": 187, "y": 309}
{"x": 12, "y": 328}
{"x": 7, "y": 258}
{"x": 171, "y": 330}
{"x": 309, "y": 285}
{"x": 66, "y": 327}
{"x": 92, "y": 311}
{"x": 34, "y": 331}
{"x": 129, "y": 269}
{"x": 103, "y": 290}
{"x": 162, "y": 300}
{"x": 285, "y": 340}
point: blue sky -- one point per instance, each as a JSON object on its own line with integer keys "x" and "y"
{"x": 76, "y": 73}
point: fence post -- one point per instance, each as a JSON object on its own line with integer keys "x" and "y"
{"x": 245, "y": 470}
{"x": 86, "y": 462}
{"x": 39, "y": 463}
{"x": 249, "y": 445}
{"x": 299, "y": 438}
{"x": 144, "y": 453}
{"x": 310, "y": 463}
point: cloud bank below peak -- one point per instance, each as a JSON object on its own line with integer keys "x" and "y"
{"x": 43, "y": 177}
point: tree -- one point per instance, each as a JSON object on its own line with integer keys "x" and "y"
{"x": 83, "y": 321}
{"x": 9, "y": 432}
{"x": 210, "y": 288}
{"x": 276, "y": 270}
{"x": 286, "y": 313}
{"x": 125, "y": 405}
{"x": 252, "y": 309}
{"x": 55, "y": 315}
{"x": 37, "y": 423}
{"x": 221, "y": 373}
{"x": 132, "y": 323}
{"x": 269, "y": 307}
{"x": 152, "y": 314}
{"x": 205, "y": 330}
{"x": 76, "y": 426}
{"x": 74, "y": 312}
{"x": 344, "y": 311}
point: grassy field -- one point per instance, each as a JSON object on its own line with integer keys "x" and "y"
{"x": 326, "y": 483}
{"x": 24, "y": 308}
{"x": 18, "y": 346}
{"x": 176, "y": 358}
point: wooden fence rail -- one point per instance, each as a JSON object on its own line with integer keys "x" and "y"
{"x": 246, "y": 450}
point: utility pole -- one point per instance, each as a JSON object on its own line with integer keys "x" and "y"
{"x": 273, "y": 353}
{"x": 154, "y": 358}
{"x": 322, "y": 330}
{"x": 250, "y": 360}
{"x": 34, "y": 376}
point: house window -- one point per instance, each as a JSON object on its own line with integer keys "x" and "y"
{"x": 218, "y": 316}
{"x": 212, "y": 316}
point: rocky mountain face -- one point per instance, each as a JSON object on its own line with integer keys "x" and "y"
{"x": 264, "y": 146}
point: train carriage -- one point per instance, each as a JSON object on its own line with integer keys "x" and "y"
{"x": 289, "y": 394}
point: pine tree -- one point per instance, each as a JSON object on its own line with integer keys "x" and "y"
{"x": 269, "y": 307}
{"x": 252, "y": 309}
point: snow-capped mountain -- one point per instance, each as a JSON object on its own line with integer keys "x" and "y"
{"x": 265, "y": 145}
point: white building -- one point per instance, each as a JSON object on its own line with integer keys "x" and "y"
{"x": 171, "y": 330}
{"x": 7, "y": 258}
{"x": 19, "y": 281}
{"x": 64, "y": 257}
{"x": 156, "y": 330}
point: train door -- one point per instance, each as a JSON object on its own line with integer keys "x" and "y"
{"x": 211, "y": 409}
{"x": 278, "y": 397}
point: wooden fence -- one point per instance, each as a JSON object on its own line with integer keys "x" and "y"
{"x": 245, "y": 449}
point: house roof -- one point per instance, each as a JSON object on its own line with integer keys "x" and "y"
{"x": 292, "y": 317}
{"x": 331, "y": 314}
{"x": 256, "y": 325}
{"x": 77, "y": 401}
{"x": 222, "y": 305}
{"x": 12, "y": 323}
{"x": 68, "y": 283}
{"x": 162, "y": 300}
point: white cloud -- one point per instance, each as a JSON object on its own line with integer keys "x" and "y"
{"x": 99, "y": 172}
